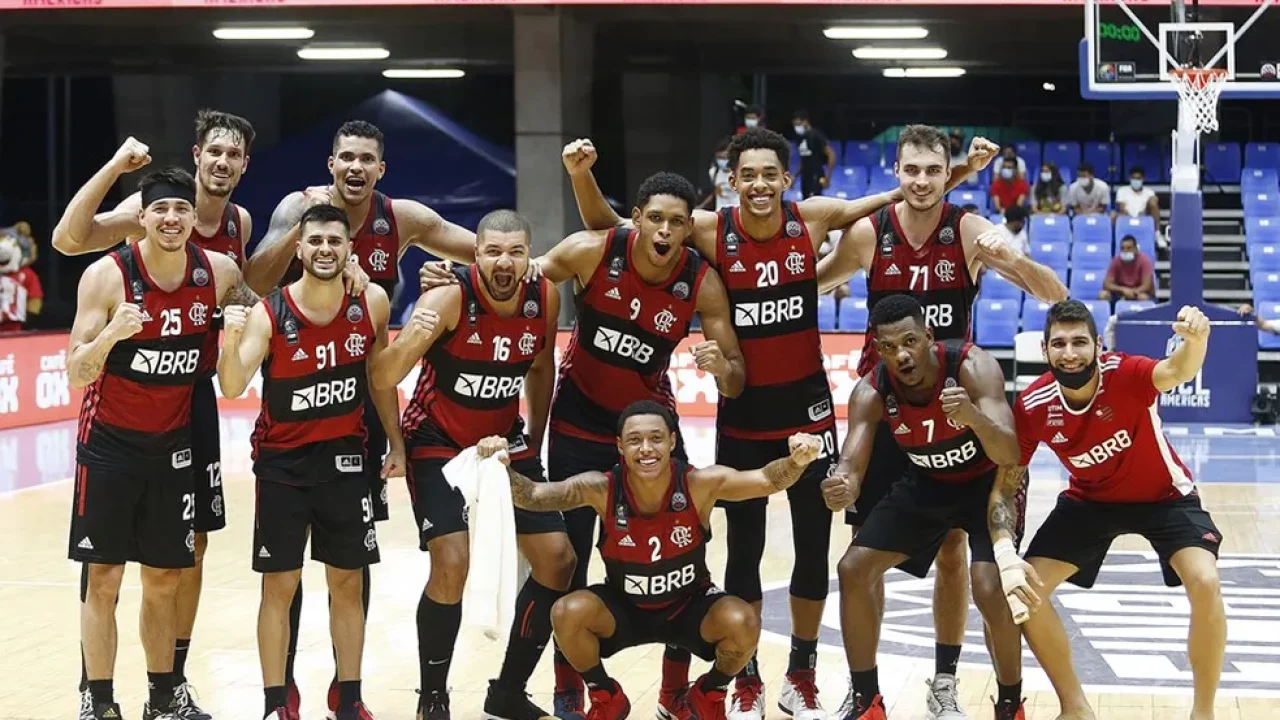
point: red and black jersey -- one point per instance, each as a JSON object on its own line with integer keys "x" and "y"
{"x": 937, "y": 275}
{"x": 936, "y": 445}
{"x": 621, "y": 347}
{"x": 140, "y": 407}
{"x": 773, "y": 288}
{"x": 314, "y": 385}
{"x": 225, "y": 240}
{"x": 471, "y": 378}
{"x": 660, "y": 559}
{"x": 376, "y": 244}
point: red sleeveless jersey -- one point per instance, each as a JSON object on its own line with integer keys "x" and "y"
{"x": 660, "y": 559}
{"x": 936, "y": 275}
{"x": 225, "y": 240}
{"x": 773, "y": 288}
{"x": 376, "y": 244}
{"x": 937, "y": 447}
{"x": 621, "y": 348}
{"x": 472, "y": 376}
{"x": 314, "y": 385}
{"x": 140, "y": 407}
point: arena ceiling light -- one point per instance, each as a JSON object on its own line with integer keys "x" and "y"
{"x": 900, "y": 53}
{"x": 924, "y": 72}
{"x": 423, "y": 73}
{"x": 343, "y": 52}
{"x": 264, "y": 33}
{"x": 875, "y": 32}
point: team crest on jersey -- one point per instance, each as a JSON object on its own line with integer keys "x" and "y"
{"x": 232, "y": 231}
{"x": 681, "y": 536}
{"x": 679, "y": 501}
{"x": 371, "y": 540}
{"x": 378, "y": 259}
{"x": 794, "y": 263}
{"x": 528, "y": 342}
{"x": 531, "y": 308}
{"x": 663, "y": 321}
{"x": 355, "y": 345}
{"x": 191, "y": 541}
{"x": 381, "y": 227}
{"x": 947, "y": 236}
{"x": 793, "y": 229}
{"x": 1104, "y": 413}
{"x": 200, "y": 277}
{"x": 680, "y": 290}
{"x": 945, "y": 270}
{"x": 199, "y": 313}
{"x": 354, "y": 314}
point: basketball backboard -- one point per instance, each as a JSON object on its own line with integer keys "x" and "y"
{"x": 1130, "y": 46}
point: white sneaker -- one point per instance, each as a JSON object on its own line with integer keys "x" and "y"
{"x": 799, "y": 697}
{"x": 86, "y": 705}
{"x": 747, "y": 702}
{"x": 943, "y": 700}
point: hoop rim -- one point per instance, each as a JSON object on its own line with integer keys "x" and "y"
{"x": 1199, "y": 79}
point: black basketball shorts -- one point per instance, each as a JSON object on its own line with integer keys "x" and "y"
{"x": 888, "y": 465}
{"x": 143, "y": 514}
{"x": 679, "y": 624}
{"x": 206, "y": 459}
{"x": 376, "y": 450}
{"x": 806, "y": 494}
{"x": 337, "y": 513}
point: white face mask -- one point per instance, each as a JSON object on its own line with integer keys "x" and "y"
{"x": 751, "y": 122}
{"x": 799, "y": 129}
{"x": 1136, "y": 183}
{"x": 1006, "y": 173}
{"x": 722, "y": 163}
{"x": 1046, "y": 176}
{"x": 1127, "y": 256}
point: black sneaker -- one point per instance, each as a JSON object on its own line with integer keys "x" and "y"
{"x": 433, "y": 705}
{"x": 161, "y": 713}
{"x": 502, "y": 703}
{"x": 184, "y": 703}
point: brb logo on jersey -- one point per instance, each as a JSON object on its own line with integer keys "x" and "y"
{"x": 620, "y": 343}
{"x": 1103, "y": 451}
{"x": 945, "y": 460}
{"x": 768, "y": 312}
{"x": 165, "y": 362}
{"x": 660, "y": 584}
{"x": 323, "y": 394}
{"x": 488, "y": 387}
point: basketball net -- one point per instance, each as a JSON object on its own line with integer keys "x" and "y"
{"x": 1198, "y": 90}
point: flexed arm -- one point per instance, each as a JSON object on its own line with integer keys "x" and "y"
{"x": 589, "y": 489}
{"x": 82, "y": 228}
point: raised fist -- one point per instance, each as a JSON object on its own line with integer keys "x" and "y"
{"x": 1191, "y": 323}
{"x": 494, "y": 446}
{"x": 837, "y": 492}
{"x": 318, "y": 195}
{"x": 422, "y": 323}
{"x": 125, "y": 322}
{"x": 234, "y": 318}
{"x": 132, "y": 155}
{"x": 804, "y": 448}
{"x": 981, "y": 152}
{"x": 709, "y": 358}
{"x": 579, "y": 156}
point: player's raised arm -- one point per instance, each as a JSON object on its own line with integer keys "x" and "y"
{"x": 578, "y": 157}
{"x": 574, "y": 257}
{"x": 540, "y": 380}
{"x": 276, "y": 250}
{"x": 246, "y": 337}
{"x": 434, "y": 314}
{"x": 420, "y": 225}
{"x": 832, "y": 213}
{"x": 99, "y": 323}
{"x": 1187, "y": 359}
{"x": 589, "y": 489}
{"x": 719, "y": 354}
{"x": 230, "y": 284}
{"x": 978, "y": 401}
{"x": 82, "y": 228}
{"x": 984, "y": 241}
{"x": 866, "y": 408}
{"x": 733, "y": 485}
{"x": 849, "y": 256}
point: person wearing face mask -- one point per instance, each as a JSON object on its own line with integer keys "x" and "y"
{"x": 817, "y": 158}
{"x": 1008, "y": 189}
{"x": 1050, "y": 193}
{"x": 753, "y": 116}
{"x": 723, "y": 192}
{"x": 1136, "y": 199}
{"x": 1014, "y": 228}
{"x": 1011, "y": 154}
{"x": 1088, "y": 195}
{"x": 1129, "y": 276}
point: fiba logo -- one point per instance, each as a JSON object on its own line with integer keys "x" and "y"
{"x": 378, "y": 258}
{"x": 381, "y": 227}
{"x": 355, "y": 345}
{"x": 232, "y": 232}
{"x": 794, "y": 263}
{"x": 200, "y": 277}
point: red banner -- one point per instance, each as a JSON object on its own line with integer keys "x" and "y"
{"x": 119, "y": 4}
{"x": 34, "y": 387}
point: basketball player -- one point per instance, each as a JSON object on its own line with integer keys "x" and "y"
{"x": 765, "y": 252}
{"x": 381, "y": 229}
{"x": 1097, "y": 411}
{"x": 946, "y": 404}
{"x": 640, "y": 290}
{"x": 481, "y": 341}
{"x": 143, "y": 316}
{"x": 934, "y": 251}
{"x": 656, "y": 513}
{"x": 221, "y": 155}
{"x": 309, "y": 445}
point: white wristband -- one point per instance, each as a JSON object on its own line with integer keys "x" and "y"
{"x": 1005, "y": 552}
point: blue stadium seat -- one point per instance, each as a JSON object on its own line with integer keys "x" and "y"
{"x": 850, "y": 180}
{"x": 1142, "y": 228}
{"x": 1261, "y": 229}
{"x": 1053, "y": 255}
{"x": 1221, "y": 162}
{"x": 1266, "y": 286}
{"x": 826, "y": 312}
{"x": 995, "y": 287}
{"x": 1067, "y": 154}
{"x": 1262, "y": 155}
{"x": 858, "y": 285}
{"x": 996, "y": 218}
{"x": 1147, "y": 156}
{"x": 1259, "y": 180}
{"x": 996, "y": 322}
{"x": 1261, "y": 204}
{"x": 1127, "y": 306}
{"x": 1086, "y": 284}
{"x": 1050, "y": 228}
{"x": 853, "y": 314}
{"x": 890, "y": 154}
{"x": 1087, "y": 256}
{"x": 1033, "y": 314}
{"x": 1092, "y": 229}
{"x": 863, "y": 154}
{"x": 1029, "y": 151}
{"x": 794, "y": 194}
{"x": 1105, "y": 159}
{"x": 969, "y": 197}
{"x": 1101, "y": 310}
{"x": 882, "y": 180}
{"x": 1267, "y": 341}
{"x": 1067, "y": 175}
{"x": 1264, "y": 257}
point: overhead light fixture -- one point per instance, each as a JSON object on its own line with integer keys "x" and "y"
{"x": 875, "y": 32}
{"x": 422, "y": 73}
{"x": 1050, "y": 87}
{"x": 339, "y": 52}
{"x": 924, "y": 72}
{"x": 903, "y": 53}
{"x": 264, "y": 33}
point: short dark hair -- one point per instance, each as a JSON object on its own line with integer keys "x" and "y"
{"x": 1129, "y": 238}
{"x": 1015, "y": 212}
{"x": 758, "y": 138}
{"x": 970, "y": 207}
{"x": 1070, "y": 311}
{"x": 169, "y": 176}
{"x": 324, "y": 214}
{"x": 647, "y": 407}
{"x": 800, "y": 115}
{"x": 209, "y": 120}
{"x": 723, "y": 145}
{"x": 1137, "y": 170}
{"x": 505, "y": 221}
{"x": 1085, "y": 167}
{"x": 667, "y": 183}
{"x": 924, "y": 136}
{"x": 754, "y": 110}
{"x": 893, "y": 309}
{"x": 360, "y": 129}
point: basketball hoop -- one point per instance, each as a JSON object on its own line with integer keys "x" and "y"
{"x": 1198, "y": 88}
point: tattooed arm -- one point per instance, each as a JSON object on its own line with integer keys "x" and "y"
{"x": 231, "y": 286}
{"x": 721, "y": 483}
{"x": 275, "y": 251}
{"x": 1003, "y": 514}
{"x": 589, "y": 489}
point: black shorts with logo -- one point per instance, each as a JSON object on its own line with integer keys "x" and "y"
{"x": 678, "y": 624}
{"x": 438, "y": 508}
{"x": 1080, "y": 532}
{"x": 206, "y": 459}
{"x": 916, "y": 515}
{"x": 376, "y": 446}
{"x": 143, "y": 513}
{"x": 888, "y": 465}
{"x": 806, "y": 494}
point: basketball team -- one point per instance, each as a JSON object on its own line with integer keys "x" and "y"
{"x": 931, "y": 473}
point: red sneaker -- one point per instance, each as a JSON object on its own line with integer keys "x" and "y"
{"x": 675, "y": 687}
{"x": 706, "y": 704}
{"x": 861, "y": 710}
{"x": 333, "y": 700}
{"x": 611, "y": 704}
{"x": 293, "y": 703}
{"x": 1008, "y": 711}
{"x": 362, "y": 712}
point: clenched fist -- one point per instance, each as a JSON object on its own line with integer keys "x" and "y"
{"x": 494, "y": 446}
{"x": 709, "y": 358}
{"x": 421, "y": 323}
{"x": 125, "y": 322}
{"x": 981, "y": 152}
{"x": 318, "y": 195}
{"x": 993, "y": 244}
{"x": 805, "y": 448}
{"x": 579, "y": 156}
{"x": 132, "y": 155}
{"x": 234, "y": 318}
{"x": 1191, "y": 324}
{"x": 957, "y": 405}
{"x": 435, "y": 274}
{"x": 838, "y": 492}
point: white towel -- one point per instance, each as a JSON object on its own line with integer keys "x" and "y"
{"x": 497, "y": 570}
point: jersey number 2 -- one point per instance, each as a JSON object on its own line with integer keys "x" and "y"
{"x": 656, "y": 544}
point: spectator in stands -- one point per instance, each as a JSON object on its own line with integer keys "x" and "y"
{"x": 1130, "y": 276}
{"x": 1008, "y": 189}
{"x": 1009, "y": 152}
{"x": 1265, "y": 325}
{"x": 1137, "y": 200}
{"x": 721, "y": 190}
{"x": 20, "y": 292}
{"x": 959, "y": 152}
{"x": 1088, "y": 195}
{"x": 817, "y": 157}
{"x": 1014, "y": 228}
{"x": 753, "y": 116}
{"x": 1050, "y": 194}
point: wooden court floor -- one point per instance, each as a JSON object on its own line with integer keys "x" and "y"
{"x": 1128, "y": 633}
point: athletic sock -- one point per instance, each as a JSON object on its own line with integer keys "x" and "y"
{"x": 946, "y": 659}
{"x": 804, "y": 654}
{"x": 530, "y": 632}
{"x": 180, "y": 649}
{"x": 437, "y": 634}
